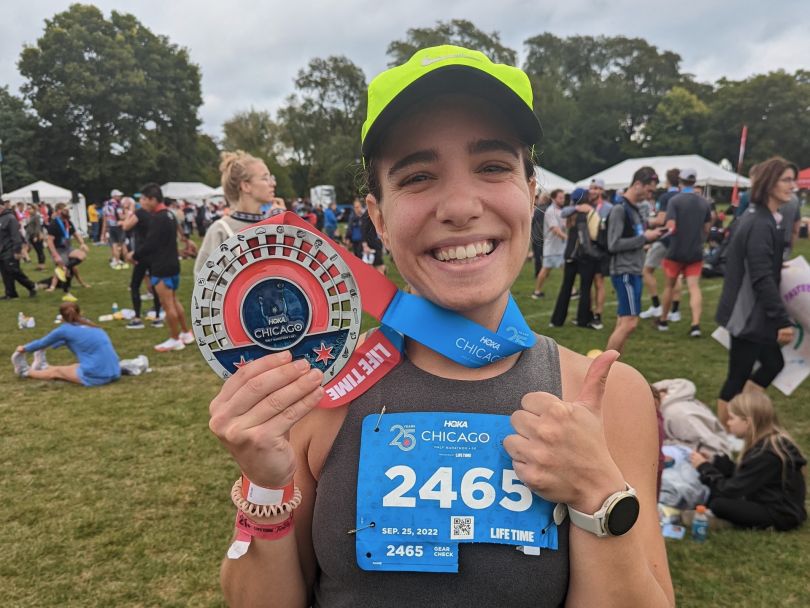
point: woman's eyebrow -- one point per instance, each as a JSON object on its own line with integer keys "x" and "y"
{"x": 491, "y": 145}
{"x": 421, "y": 156}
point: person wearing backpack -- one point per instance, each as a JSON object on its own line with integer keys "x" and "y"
{"x": 626, "y": 238}
{"x": 581, "y": 258}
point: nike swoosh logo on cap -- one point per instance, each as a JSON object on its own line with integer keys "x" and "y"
{"x": 431, "y": 60}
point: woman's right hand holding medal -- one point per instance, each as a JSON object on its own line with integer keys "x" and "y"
{"x": 254, "y": 411}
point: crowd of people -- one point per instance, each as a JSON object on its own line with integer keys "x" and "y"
{"x": 450, "y": 169}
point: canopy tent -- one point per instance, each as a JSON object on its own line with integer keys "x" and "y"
{"x": 803, "y": 182}
{"x": 52, "y": 194}
{"x": 548, "y": 181}
{"x": 708, "y": 173}
{"x": 188, "y": 191}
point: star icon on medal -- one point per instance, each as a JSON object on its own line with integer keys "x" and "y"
{"x": 324, "y": 353}
{"x": 242, "y": 362}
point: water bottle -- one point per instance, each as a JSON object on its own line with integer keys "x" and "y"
{"x": 20, "y": 320}
{"x": 115, "y": 307}
{"x": 700, "y": 524}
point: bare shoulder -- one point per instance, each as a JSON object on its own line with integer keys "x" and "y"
{"x": 627, "y": 406}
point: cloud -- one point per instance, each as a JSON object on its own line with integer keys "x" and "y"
{"x": 250, "y": 51}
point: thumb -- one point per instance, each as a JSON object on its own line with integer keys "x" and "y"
{"x": 593, "y": 386}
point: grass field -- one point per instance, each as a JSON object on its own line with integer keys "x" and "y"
{"x": 118, "y": 495}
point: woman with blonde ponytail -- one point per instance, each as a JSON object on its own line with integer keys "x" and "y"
{"x": 248, "y": 184}
{"x": 767, "y": 487}
{"x": 98, "y": 361}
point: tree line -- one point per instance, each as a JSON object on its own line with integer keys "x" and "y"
{"x": 107, "y": 103}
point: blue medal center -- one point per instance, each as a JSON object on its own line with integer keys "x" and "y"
{"x": 276, "y": 314}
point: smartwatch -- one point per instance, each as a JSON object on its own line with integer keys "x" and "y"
{"x": 617, "y": 515}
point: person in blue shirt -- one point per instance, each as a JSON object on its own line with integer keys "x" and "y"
{"x": 330, "y": 221}
{"x": 98, "y": 362}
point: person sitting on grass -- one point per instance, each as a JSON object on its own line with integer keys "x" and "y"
{"x": 98, "y": 361}
{"x": 767, "y": 487}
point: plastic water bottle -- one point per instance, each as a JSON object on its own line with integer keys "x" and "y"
{"x": 20, "y": 320}
{"x": 115, "y": 307}
{"x": 700, "y": 524}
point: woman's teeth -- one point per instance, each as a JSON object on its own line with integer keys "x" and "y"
{"x": 463, "y": 252}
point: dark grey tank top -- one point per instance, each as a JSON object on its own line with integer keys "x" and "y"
{"x": 488, "y": 574}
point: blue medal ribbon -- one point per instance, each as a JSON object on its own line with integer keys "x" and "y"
{"x": 456, "y": 337}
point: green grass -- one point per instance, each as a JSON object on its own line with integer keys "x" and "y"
{"x": 118, "y": 495}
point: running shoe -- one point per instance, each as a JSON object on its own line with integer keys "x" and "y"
{"x": 40, "y": 362}
{"x": 135, "y": 324}
{"x": 187, "y": 337}
{"x": 60, "y": 273}
{"x": 169, "y": 345}
{"x": 651, "y": 312}
{"x": 147, "y": 296}
{"x": 157, "y": 324}
{"x": 20, "y": 363}
{"x": 536, "y": 295}
{"x": 69, "y": 297}
{"x": 597, "y": 321}
{"x": 594, "y": 324}
{"x": 662, "y": 326}
{"x": 695, "y": 331}
{"x": 674, "y": 316}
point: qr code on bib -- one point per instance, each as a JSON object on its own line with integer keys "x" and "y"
{"x": 462, "y": 527}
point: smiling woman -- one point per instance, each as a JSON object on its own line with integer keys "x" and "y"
{"x": 446, "y": 484}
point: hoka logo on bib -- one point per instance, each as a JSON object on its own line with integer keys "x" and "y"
{"x": 275, "y": 314}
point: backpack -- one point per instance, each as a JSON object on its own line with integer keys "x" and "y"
{"x": 629, "y": 231}
{"x": 580, "y": 243}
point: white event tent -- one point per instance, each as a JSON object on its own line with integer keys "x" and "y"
{"x": 548, "y": 181}
{"x": 194, "y": 192}
{"x": 708, "y": 173}
{"x": 52, "y": 194}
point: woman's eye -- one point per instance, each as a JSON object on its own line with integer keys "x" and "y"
{"x": 414, "y": 179}
{"x": 494, "y": 169}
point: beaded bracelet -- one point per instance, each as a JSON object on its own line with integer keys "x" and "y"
{"x": 263, "y": 510}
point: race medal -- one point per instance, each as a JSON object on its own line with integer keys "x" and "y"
{"x": 274, "y": 287}
{"x": 429, "y": 482}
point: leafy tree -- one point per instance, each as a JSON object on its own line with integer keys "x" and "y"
{"x": 321, "y": 124}
{"x": 255, "y": 132}
{"x": 17, "y": 132}
{"x": 117, "y": 104}
{"x": 678, "y": 124}
{"x": 776, "y": 108}
{"x": 605, "y": 88}
{"x": 457, "y": 31}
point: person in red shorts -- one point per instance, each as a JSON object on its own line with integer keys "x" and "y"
{"x": 688, "y": 221}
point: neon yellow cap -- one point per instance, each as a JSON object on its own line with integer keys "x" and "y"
{"x": 448, "y": 69}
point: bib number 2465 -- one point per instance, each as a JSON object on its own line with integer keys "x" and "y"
{"x": 477, "y": 491}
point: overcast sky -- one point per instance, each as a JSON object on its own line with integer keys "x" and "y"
{"x": 250, "y": 50}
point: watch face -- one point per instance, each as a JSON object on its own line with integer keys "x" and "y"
{"x": 621, "y": 515}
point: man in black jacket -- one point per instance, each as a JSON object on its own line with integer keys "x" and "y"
{"x": 11, "y": 243}
{"x": 159, "y": 251}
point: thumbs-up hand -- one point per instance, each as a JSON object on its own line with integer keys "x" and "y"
{"x": 559, "y": 449}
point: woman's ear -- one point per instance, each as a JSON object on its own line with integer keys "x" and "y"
{"x": 532, "y": 191}
{"x": 376, "y": 215}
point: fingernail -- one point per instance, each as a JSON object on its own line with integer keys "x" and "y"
{"x": 301, "y": 365}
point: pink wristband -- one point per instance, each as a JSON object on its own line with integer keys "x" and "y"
{"x": 247, "y": 530}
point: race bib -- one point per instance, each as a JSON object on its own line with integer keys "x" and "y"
{"x": 430, "y": 481}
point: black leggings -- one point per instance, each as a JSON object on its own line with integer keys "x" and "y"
{"x": 37, "y": 245}
{"x": 741, "y": 359}
{"x": 743, "y": 513}
{"x": 138, "y": 273}
{"x": 586, "y": 269}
